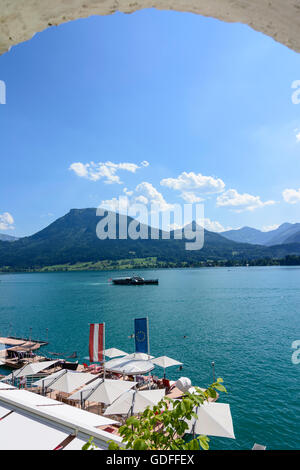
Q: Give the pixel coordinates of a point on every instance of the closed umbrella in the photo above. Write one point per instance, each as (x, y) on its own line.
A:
(135, 402)
(214, 419)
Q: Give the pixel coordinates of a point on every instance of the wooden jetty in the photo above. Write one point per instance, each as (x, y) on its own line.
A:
(19, 350)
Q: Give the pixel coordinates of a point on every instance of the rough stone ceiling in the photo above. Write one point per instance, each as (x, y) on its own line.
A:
(21, 19)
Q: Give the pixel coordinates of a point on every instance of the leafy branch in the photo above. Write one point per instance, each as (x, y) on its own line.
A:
(163, 427)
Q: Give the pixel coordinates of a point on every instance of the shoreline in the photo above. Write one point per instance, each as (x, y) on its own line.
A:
(145, 265)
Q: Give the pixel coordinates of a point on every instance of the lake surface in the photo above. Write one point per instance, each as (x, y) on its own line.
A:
(244, 319)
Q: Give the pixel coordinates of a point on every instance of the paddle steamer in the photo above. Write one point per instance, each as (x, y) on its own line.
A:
(134, 281)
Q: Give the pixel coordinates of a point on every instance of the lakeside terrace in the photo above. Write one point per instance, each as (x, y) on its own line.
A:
(57, 390)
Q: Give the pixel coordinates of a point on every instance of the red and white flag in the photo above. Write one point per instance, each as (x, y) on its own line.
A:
(96, 345)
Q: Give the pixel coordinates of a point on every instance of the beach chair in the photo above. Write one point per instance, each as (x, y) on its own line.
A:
(166, 384)
(116, 376)
(155, 379)
(141, 384)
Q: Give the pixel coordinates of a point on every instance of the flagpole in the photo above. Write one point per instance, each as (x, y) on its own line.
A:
(148, 340)
(103, 351)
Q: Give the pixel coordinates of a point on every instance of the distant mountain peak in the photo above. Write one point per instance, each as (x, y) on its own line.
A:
(7, 238)
(254, 236)
(72, 239)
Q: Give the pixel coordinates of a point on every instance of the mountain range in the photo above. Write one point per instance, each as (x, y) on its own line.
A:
(72, 239)
(285, 233)
(7, 238)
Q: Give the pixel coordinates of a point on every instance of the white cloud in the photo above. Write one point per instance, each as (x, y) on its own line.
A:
(241, 202)
(106, 171)
(191, 197)
(80, 169)
(119, 205)
(141, 199)
(153, 196)
(210, 225)
(6, 221)
(268, 228)
(297, 133)
(127, 192)
(291, 196)
(145, 193)
(215, 226)
(191, 184)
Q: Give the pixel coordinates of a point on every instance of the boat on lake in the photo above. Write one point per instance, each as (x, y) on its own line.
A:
(134, 281)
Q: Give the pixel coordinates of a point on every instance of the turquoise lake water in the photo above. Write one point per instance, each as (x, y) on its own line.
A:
(244, 319)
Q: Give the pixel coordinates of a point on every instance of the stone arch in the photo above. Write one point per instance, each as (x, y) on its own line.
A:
(21, 19)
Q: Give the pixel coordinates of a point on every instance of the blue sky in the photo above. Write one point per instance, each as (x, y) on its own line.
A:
(172, 106)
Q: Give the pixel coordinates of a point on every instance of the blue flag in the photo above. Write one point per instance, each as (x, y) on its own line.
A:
(141, 335)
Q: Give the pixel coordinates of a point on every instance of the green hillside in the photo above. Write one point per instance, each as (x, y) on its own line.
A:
(72, 239)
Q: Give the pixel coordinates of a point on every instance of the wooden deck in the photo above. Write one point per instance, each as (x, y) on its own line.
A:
(19, 345)
(25, 343)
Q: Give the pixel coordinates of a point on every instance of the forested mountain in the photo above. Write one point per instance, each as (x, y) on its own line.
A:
(72, 239)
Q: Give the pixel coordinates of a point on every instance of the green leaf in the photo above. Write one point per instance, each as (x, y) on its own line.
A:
(88, 444)
(113, 446)
(221, 388)
(194, 444)
(204, 440)
(212, 393)
(132, 421)
(139, 444)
